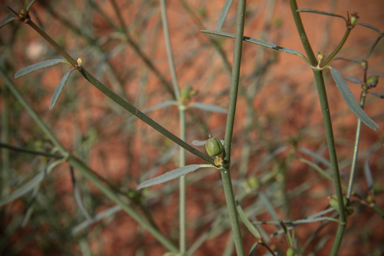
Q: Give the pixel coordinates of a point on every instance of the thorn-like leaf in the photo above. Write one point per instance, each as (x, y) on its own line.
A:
(6, 21)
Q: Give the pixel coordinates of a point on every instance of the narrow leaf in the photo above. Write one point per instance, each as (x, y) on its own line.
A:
(353, 80)
(368, 174)
(6, 21)
(346, 59)
(372, 47)
(209, 107)
(287, 234)
(223, 14)
(370, 26)
(26, 188)
(350, 100)
(258, 42)
(321, 171)
(247, 223)
(37, 66)
(377, 95)
(252, 251)
(321, 12)
(59, 89)
(315, 155)
(169, 176)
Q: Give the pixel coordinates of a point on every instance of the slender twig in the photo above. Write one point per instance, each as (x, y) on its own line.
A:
(318, 73)
(355, 149)
(225, 173)
(182, 160)
(338, 48)
(84, 169)
(29, 151)
(120, 101)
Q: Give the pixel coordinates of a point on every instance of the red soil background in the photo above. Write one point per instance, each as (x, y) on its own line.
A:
(95, 129)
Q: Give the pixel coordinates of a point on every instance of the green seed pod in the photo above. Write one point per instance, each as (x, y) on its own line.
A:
(214, 147)
(334, 204)
(372, 81)
(291, 252)
(354, 18)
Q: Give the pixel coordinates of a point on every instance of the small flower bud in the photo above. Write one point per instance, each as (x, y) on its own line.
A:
(79, 62)
(214, 147)
(372, 81)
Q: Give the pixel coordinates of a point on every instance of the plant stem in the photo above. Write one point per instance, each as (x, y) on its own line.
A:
(332, 155)
(122, 102)
(84, 169)
(355, 148)
(232, 212)
(182, 160)
(225, 173)
(303, 36)
(333, 54)
(29, 151)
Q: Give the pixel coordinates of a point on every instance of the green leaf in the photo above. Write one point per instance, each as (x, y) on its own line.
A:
(371, 27)
(169, 176)
(287, 234)
(350, 99)
(209, 107)
(346, 59)
(59, 89)
(6, 21)
(37, 66)
(26, 188)
(252, 251)
(258, 42)
(368, 173)
(321, 12)
(223, 14)
(247, 223)
(377, 95)
(353, 80)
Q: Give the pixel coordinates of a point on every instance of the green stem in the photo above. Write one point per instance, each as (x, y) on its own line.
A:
(338, 48)
(332, 155)
(182, 160)
(303, 36)
(355, 148)
(84, 169)
(122, 102)
(225, 173)
(29, 151)
(232, 211)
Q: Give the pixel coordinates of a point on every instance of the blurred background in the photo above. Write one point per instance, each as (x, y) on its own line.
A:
(278, 121)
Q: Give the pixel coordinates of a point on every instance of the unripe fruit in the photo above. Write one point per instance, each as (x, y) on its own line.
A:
(354, 18)
(334, 204)
(372, 81)
(291, 252)
(214, 147)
